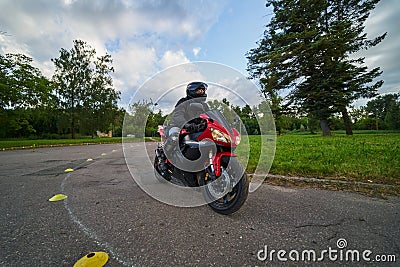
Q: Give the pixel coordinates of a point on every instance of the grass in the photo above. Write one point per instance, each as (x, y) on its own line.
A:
(30, 143)
(18, 143)
(367, 157)
(361, 157)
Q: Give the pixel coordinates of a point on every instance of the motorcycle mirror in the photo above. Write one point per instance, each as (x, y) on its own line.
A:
(198, 107)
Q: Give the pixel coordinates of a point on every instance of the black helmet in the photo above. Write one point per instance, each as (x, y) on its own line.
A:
(193, 86)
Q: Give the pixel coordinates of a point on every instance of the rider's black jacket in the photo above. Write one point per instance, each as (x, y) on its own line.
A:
(183, 114)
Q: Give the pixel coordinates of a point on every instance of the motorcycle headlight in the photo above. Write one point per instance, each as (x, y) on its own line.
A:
(219, 136)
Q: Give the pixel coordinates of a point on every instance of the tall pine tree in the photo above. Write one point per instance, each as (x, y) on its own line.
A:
(307, 48)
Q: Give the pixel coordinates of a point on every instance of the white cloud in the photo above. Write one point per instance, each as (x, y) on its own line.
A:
(171, 58)
(142, 37)
(169, 85)
(69, 2)
(133, 63)
(9, 45)
(238, 90)
(196, 51)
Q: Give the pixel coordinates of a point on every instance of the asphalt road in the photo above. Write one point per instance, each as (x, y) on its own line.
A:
(107, 211)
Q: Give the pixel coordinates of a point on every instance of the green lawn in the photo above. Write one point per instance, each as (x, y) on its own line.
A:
(361, 157)
(18, 143)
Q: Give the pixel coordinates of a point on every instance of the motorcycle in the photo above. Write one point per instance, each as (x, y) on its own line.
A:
(205, 160)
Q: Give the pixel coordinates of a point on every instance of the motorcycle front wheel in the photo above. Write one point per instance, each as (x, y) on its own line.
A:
(233, 200)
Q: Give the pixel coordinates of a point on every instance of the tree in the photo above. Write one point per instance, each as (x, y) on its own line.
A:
(72, 76)
(392, 118)
(21, 84)
(23, 90)
(100, 98)
(385, 110)
(84, 86)
(225, 108)
(153, 120)
(230, 111)
(117, 124)
(137, 117)
(307, 49)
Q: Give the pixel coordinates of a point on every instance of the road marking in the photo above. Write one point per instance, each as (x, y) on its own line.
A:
(89, 233)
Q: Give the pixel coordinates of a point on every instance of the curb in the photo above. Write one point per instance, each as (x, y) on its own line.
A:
(318, 180)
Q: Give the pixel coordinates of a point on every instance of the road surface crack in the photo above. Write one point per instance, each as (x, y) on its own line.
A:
(324, 225)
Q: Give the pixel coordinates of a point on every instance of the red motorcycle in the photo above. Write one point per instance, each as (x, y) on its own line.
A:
(206, 160)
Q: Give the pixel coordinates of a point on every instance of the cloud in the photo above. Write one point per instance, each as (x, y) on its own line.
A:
(169, 85)
(385, 55)
(143, 37)
(133, 62)
(196, 51)
(237, 89)
(59, 22)
(171, 58)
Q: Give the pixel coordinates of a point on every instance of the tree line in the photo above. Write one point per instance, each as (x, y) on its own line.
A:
(143, 111)
(79, 99)
(380, 113)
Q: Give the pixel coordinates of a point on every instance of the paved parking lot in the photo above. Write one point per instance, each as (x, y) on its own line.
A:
(107, 211)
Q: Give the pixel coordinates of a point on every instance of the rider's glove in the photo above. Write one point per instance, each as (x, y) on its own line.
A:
(193, 127)
(190, 127)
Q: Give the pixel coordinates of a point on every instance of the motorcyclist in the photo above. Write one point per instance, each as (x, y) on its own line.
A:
(183, 115)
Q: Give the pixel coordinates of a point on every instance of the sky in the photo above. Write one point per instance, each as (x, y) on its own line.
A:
(145, 37)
